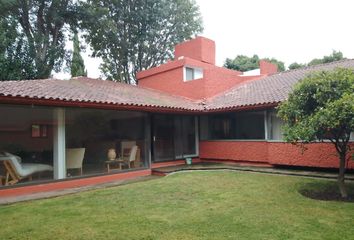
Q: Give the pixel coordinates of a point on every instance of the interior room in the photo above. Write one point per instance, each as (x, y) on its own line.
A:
(96, 142)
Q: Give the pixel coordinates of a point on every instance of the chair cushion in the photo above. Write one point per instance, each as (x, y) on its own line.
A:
(3, 155)
(26, 169)
(30, 168)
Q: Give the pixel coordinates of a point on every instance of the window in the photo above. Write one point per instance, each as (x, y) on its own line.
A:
(223, 126)
(191, 73)
(243, 125)
(26, 135)
(274, 126)
(250, 125)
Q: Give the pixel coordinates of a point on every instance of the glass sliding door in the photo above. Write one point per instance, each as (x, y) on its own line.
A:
(97, 132)
(162, 138)
(174, 137)
(189, 137)
(178, 136)
(26, 141)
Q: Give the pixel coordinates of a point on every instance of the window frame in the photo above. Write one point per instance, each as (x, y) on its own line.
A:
(197, 73)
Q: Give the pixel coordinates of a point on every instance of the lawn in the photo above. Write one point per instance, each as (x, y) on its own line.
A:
(193, 205)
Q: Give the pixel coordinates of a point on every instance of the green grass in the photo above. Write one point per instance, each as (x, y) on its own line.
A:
(194, 205)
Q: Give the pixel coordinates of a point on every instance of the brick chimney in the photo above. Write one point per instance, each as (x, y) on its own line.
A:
(199, 48)
(267, 68)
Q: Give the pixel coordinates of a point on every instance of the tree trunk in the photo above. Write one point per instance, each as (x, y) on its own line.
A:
(341, 185)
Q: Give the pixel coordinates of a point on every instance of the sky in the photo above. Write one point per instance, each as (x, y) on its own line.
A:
(290, 31)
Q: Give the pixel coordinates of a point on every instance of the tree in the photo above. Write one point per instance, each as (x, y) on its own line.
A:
(335, 56)
(43, 25)
(296, 65)
(77, 62)
(131, 36)
(321, 107)
(244, 63)
(15, 62)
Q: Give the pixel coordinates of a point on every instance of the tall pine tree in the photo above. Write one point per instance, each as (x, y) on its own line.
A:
(77, 62)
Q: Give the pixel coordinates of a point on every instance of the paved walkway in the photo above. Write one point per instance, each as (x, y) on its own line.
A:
(270, 170)
(57, 193)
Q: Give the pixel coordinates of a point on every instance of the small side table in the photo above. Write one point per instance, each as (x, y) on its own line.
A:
(111, 163)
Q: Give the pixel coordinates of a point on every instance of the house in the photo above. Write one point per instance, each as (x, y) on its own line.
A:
(188, 107)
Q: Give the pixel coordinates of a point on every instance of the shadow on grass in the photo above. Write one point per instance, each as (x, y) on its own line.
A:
(326, 191)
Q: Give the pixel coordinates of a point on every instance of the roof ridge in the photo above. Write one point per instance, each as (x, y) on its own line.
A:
(25, 80)
(275, 74)
(313, 66)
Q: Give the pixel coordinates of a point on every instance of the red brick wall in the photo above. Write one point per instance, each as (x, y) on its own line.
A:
(172, 82)
(199, 48)
(199, 53)
(276, 153)
(169, 78)
(267, 67)
(316, 155)
(232, 150)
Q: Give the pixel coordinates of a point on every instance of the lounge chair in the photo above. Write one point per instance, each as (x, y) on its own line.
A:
(16, 170)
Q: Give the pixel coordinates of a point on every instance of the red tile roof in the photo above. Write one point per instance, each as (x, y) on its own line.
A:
(87, 90)
(83, 91)
(270, 90)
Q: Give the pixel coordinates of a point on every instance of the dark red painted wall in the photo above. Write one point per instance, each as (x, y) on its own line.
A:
(199, 48)
(198, 53)
(276, 153)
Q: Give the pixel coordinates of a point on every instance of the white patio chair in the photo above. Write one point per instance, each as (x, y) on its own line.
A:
(74, 158)
(125, 149)
(133, 156)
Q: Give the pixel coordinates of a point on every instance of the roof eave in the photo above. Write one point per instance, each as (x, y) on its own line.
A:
(261, 106)
(97, 105)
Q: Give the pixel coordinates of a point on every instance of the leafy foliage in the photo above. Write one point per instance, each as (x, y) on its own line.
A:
(321, 107)
(77, 62)
(131, 36)
(15, 62)
(335, 56)
(41, 26)
(244, 63)
(296, 65)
